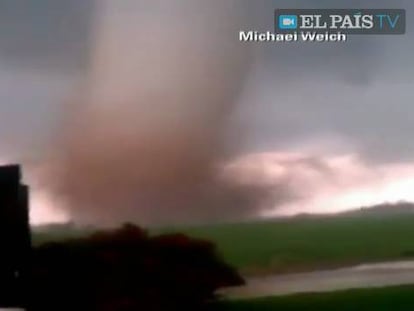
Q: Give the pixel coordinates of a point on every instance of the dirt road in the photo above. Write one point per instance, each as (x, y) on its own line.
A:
(367, 275)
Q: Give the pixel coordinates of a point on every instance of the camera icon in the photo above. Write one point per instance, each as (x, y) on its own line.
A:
(288, 21)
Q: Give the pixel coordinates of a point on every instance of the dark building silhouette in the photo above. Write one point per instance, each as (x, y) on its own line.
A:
(14, 237)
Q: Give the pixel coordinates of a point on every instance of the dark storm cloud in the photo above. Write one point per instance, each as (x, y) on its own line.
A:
(44, 47)
(356, 62)
(358, 91)
(45, 34)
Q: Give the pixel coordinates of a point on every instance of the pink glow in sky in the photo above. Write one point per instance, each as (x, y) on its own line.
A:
(328, 184)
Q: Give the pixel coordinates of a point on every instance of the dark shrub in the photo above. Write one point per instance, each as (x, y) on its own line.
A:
(126, 269)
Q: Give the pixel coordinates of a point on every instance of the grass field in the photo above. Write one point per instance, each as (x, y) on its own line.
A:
(304, 244)
(298, 244)
(383, 299)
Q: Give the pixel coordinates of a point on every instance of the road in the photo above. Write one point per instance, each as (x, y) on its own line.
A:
(361, 276)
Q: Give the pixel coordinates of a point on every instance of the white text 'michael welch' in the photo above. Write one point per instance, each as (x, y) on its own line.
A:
(268, 36)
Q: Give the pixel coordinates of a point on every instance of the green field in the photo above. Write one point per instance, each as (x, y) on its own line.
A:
(399, 298)
(311, 243)
(298, 244)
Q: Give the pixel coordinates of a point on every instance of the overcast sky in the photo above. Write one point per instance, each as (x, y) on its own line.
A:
(346, 98)
(359, 92)
(43, 51)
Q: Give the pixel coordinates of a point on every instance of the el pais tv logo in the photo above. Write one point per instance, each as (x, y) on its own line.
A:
(347, 21)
